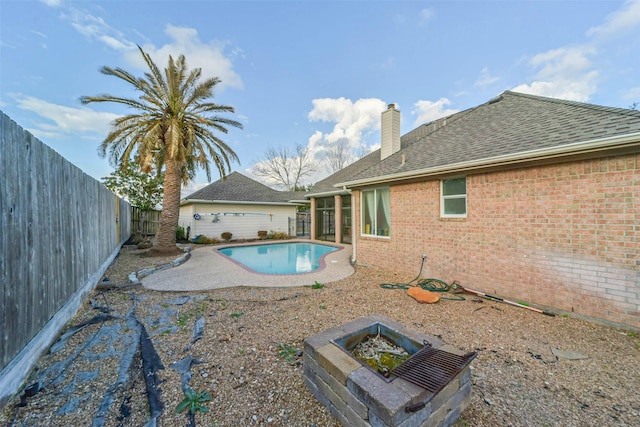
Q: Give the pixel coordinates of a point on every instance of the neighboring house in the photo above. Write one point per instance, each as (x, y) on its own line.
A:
(530, 198)
(241, 206)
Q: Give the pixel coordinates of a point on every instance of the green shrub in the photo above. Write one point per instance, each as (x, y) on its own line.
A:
(226, 236)
(180, 233)
(201, 239)
(278, 235)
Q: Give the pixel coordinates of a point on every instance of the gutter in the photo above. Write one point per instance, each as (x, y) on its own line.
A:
(583, 147)
(185, 202)
(343, 191)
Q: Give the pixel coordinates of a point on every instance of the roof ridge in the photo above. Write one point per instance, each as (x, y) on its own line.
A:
(429, 128)
(585, 105)
(237, 176)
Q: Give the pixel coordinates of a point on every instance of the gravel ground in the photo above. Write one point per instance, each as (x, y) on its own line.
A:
(248, 356)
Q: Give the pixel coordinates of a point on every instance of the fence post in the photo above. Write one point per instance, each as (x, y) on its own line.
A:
(117, 219)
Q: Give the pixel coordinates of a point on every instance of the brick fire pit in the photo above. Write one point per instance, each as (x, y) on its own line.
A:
(358, 396)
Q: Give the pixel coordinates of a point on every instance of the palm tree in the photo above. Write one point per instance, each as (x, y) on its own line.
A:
(173, 127)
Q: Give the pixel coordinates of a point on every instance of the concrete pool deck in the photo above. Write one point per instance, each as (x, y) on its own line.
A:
(207, 269)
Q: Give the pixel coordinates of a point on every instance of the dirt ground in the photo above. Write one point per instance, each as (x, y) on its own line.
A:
(239, 351)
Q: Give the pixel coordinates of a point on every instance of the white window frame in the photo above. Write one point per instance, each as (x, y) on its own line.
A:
(374, 226)
(451, 197)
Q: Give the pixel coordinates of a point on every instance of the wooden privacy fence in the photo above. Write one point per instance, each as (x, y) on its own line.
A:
(144, 222)
(60, 230)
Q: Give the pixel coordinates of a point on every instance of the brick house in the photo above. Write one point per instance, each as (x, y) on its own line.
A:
(241, 206)
(530, 198)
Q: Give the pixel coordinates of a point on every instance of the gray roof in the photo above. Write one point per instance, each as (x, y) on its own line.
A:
(236, 187)
(506, 125)
(344, 174)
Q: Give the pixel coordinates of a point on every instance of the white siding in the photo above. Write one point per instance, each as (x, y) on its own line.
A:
(243, 221)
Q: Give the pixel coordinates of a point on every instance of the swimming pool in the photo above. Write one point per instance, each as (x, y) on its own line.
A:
(279, 258)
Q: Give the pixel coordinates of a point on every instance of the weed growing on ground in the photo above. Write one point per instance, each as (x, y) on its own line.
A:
(317, 285)
(236, 315)
(223, 303)
(287, 352)
(201, 308)
(193, 401)
(182, 319)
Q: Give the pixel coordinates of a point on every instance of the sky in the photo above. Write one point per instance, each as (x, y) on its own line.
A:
(316, 73)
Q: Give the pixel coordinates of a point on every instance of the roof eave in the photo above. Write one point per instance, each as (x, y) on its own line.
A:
(328, 193)
(235, 202)
(583, 147)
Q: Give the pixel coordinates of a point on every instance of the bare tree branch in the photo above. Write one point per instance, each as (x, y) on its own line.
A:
(339, 155)
(286, 166)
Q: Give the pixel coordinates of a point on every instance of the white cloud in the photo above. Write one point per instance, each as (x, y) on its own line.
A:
(64, 121)
(565, 73)
(427, 111)
(571, 72)
(94, 27)
(619, 21)
(192, 187)
(425, 16)
(485, 79)
(352, 120)
(210, 57)
(38, 33)
(51, 3)
(633, 94)
(114, 43)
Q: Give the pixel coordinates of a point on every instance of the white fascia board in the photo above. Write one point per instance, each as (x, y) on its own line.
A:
(229, 202)
(329, 193)
(583, 147)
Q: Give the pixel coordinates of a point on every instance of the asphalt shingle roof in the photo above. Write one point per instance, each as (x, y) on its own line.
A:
(326, 185)
(508, 124)
(239, 188)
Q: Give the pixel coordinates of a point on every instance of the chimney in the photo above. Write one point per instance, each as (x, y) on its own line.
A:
(390, 131)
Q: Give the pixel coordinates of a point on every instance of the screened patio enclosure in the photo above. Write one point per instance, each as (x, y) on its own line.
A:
(332, 212)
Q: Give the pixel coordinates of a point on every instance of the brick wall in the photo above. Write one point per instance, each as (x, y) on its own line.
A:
(564, 236)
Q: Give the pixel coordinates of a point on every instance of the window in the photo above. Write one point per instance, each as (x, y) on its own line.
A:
(376, 212)
(454, 198)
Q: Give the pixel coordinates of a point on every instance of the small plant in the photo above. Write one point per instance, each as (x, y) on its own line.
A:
(632, 334)
(223, 303)
(226, 236)
(278, 235)
(201, 239)
(287, 352)
(182, 319)
(262, 234)
(180, 233)
(322, 306)
(236, 315)
(193, 401)
(317, 285)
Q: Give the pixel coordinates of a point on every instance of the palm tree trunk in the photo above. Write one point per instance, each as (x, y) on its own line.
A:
(166, 238)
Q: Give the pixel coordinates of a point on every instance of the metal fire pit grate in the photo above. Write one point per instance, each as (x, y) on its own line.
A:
(432, 369)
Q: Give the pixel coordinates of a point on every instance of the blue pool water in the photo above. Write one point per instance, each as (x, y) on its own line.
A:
(279, 258)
